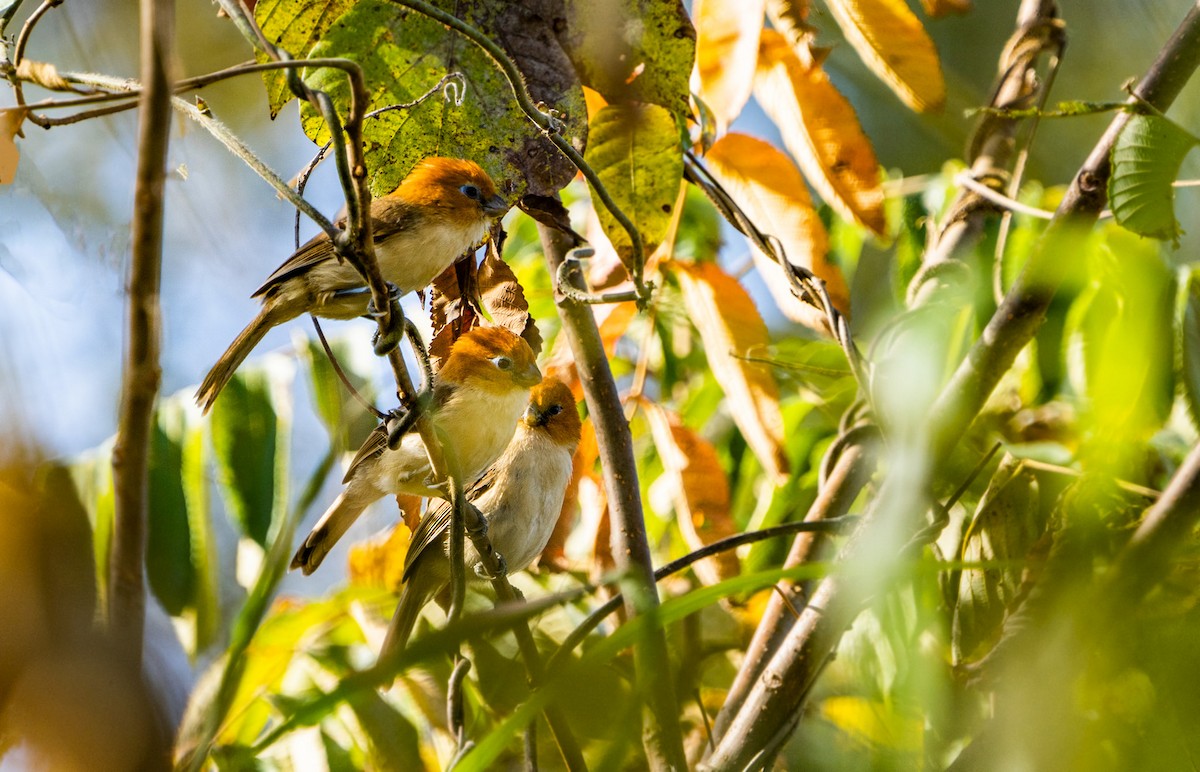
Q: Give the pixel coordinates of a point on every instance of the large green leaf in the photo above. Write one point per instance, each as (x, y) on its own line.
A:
(635, 151)
(1145, 161)
(295, 26)
(633, 50)
(345, 418)
(1189, 345)
(250, 429)
(403, 54)
(169, 567)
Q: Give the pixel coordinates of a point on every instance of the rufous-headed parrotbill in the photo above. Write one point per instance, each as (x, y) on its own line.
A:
(478, 395)
(520, 496)
(443, 208)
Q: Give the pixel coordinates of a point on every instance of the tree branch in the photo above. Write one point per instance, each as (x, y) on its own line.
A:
(142, 372)
(661, 735)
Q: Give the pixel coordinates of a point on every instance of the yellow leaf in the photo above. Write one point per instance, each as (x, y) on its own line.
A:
(936, 8)
(636, 152)
(874, 723)
(821, 130)
(726, 53)
(699, 488)
(10, 124)
(769, 187)
(730, 326)
(893, 44)
(379, 561)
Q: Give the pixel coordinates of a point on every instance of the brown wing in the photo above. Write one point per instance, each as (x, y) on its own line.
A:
(375, 444)
(388, 217)
(436, 522)
(318, 249)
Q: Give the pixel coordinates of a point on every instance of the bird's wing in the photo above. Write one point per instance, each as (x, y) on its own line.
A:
(390, 216)
(437, 520)
(318, 249)
(373, 446)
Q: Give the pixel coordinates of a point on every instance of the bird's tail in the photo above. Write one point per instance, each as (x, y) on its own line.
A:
(333, 524)
(237, 352)
(416, 593)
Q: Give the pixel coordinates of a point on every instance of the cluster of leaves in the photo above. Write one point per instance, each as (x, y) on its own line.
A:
(730, 419)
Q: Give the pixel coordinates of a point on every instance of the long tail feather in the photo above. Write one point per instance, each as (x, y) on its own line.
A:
(333, 524)
(237, 352)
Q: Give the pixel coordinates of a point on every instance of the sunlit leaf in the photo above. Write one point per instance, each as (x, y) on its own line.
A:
(790, 17)
(1145, 161)
(345, 418)
(936, 8)
(726, 53)
(821, 131)
(250, 429)
(892, 42)
(875, 723)
(636, 153)
(768, 186)
(295, 26)
(1189, 342)
(699, 489)
(632, 50)
(403, 54)
(504, 298)
(730, 325)
(379, 561)
(1005, 526)
(10, 123)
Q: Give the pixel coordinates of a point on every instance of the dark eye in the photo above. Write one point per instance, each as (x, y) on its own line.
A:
(504, 363)
(554, 410)
(471, 192)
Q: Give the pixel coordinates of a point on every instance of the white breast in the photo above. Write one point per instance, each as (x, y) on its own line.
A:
(411, 264)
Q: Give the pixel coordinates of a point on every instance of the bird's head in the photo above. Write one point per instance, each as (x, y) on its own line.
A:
(552, 409)
(492, 359)
(453, 187)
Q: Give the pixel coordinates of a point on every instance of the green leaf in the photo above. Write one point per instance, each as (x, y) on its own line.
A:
(633, 50)
(250, 428)
(1189, 344)
(344, 417)
(92, 476)
(636, 153)
(1145, 161)
(403, 54)
(295, 26)
(169, 567)
(1005, 527)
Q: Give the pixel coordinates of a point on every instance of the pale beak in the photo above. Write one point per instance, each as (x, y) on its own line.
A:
(529, 377)
(495, 206)
(533, 417)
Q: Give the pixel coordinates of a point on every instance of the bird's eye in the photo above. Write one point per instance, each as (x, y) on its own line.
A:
(504, 363)
(471, 192)
(554, 410)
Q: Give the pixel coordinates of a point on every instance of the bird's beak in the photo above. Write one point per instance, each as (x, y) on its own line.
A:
(529, 377)
(533, 417)
(495, 206)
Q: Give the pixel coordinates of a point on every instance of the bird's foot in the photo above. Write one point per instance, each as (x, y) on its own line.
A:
(385, 340)
(482, 572)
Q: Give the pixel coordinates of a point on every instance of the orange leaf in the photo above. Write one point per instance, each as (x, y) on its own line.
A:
(700, 490)
(892, 42)
(379, 561)
(10, 125)
(768, 186)
(726, 53)
(821, 130)
(791, 18)
(730, 325)
(936, 8)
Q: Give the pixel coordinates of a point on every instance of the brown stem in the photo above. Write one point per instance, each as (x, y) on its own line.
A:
(661, 735)
(142, 372)
(851, 472)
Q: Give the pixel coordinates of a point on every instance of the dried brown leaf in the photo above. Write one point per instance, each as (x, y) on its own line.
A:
(730, 326)
(504, 299)
(769, 187)
(821, 131)
(699, 487)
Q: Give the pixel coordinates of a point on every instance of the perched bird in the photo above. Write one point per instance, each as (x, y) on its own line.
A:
(520, 496)
(443, 208)
(478, 395)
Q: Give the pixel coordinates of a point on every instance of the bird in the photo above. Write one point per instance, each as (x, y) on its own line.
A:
(520, 496)
(442, 209)
(478, 395)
